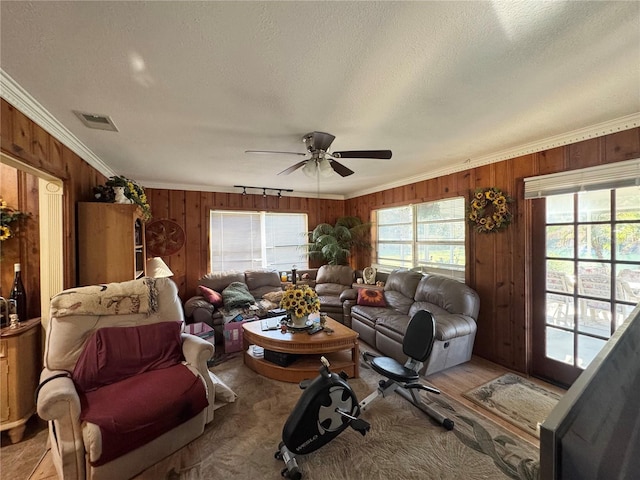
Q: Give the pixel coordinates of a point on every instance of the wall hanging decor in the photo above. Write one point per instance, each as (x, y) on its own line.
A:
(489, 210)
(164, 237)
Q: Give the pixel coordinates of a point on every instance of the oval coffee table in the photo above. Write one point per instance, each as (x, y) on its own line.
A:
(340, 348)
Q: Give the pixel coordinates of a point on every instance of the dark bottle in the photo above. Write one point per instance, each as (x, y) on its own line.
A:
(18, 294)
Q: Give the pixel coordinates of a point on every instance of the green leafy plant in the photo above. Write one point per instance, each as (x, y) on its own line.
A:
(335, 243)
(133, 191)
(9, 215)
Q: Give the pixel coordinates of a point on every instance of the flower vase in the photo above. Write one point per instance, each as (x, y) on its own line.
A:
(299, 322)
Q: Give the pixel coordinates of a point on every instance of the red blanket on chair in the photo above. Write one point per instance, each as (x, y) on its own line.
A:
(134, 411)
(132, 385)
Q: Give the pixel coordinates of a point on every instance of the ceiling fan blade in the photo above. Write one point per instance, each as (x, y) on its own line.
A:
(267, 152)
(293, 168)
(340, 169)
(378, 154)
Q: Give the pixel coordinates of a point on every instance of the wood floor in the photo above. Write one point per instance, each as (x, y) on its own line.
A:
(453, 381)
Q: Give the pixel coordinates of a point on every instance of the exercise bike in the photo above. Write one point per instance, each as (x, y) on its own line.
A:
(328, 405)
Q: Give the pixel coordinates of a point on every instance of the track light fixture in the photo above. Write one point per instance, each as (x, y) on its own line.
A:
(264, 190)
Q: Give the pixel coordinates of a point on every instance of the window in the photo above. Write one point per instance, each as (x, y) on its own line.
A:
(248, 240)
(428, 236)
(592, 268)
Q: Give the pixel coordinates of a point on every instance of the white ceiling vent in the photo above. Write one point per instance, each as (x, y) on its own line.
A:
(94, 120)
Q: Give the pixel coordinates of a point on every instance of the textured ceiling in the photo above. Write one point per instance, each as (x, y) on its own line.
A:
(444, 85)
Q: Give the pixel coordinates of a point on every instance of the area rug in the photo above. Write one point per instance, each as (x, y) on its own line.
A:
(517, 400)
(403, 442)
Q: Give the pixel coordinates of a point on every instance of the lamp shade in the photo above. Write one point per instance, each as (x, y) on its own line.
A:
(156, 268)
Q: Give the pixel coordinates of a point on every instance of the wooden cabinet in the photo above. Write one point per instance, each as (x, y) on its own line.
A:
(20, 366)
(111, 246)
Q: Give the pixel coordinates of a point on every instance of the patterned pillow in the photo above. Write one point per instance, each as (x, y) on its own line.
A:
(274, 297)
(213, 297)
(371, 297)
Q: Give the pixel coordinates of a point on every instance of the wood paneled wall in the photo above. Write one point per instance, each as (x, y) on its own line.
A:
(498, 263)
(26, 141)
(191, 209)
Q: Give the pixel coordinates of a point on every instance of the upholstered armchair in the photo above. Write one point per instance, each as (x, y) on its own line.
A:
(334, 287)
(122, 386)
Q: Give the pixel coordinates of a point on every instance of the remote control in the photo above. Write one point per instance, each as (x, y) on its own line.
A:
(316, 329)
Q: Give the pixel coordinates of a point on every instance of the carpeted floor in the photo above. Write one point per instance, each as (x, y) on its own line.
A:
(517, 400)
(403, 442)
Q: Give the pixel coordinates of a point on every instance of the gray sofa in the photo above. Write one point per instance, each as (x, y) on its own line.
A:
(259, 282)
(454, 306)
(333, 285)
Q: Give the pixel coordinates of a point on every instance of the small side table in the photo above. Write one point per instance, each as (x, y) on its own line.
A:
(20, 366)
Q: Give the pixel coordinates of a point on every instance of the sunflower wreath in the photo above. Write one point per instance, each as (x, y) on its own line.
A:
(489, 210)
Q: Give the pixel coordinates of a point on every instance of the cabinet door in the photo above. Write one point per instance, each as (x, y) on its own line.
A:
(110, 243)
(4, 382)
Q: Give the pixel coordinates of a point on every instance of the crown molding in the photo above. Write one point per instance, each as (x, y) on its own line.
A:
(612, 126)
(13, 93)
(17, 96)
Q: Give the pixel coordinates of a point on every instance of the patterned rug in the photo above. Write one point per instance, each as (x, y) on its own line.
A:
(517, 400)
(403, 442)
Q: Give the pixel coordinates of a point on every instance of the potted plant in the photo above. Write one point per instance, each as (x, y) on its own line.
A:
(119, 189)
(334, 243)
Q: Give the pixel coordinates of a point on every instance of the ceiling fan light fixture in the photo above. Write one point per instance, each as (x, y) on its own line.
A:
(324, 168)
(310, 168)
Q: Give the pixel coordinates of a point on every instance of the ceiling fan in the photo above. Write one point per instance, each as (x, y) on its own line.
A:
(321, 162)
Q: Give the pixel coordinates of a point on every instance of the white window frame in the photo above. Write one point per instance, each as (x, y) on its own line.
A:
(456, 272)
(299, 240)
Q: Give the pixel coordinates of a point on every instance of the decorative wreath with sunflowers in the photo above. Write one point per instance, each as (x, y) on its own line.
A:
(489, 210)
(300, 300)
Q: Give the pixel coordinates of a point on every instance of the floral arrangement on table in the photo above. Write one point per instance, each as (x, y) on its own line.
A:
(8, 215)
(489, 210)
(300, 301)
(120, 189)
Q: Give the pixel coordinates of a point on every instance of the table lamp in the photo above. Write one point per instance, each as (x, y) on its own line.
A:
(156, 268)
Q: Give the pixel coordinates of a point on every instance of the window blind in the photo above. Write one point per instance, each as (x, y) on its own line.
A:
(601, 177)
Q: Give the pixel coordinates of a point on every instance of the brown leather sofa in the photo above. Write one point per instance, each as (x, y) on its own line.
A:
(334, 288)
(259, 282)
(454, 306)
(332, 283)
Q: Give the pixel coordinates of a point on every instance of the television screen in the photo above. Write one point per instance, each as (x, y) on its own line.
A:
(594, 431)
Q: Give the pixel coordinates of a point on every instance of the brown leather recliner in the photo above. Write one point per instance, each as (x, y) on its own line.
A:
(334, 287)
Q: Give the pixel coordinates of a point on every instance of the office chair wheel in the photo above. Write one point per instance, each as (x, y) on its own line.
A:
(294, 474)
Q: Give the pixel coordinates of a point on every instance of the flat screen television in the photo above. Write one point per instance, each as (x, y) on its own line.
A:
(594, 431)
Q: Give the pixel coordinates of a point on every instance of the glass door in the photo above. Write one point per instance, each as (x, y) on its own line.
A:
(586, 276)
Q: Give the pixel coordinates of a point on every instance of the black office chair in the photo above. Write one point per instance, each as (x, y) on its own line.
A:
(404, 379)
